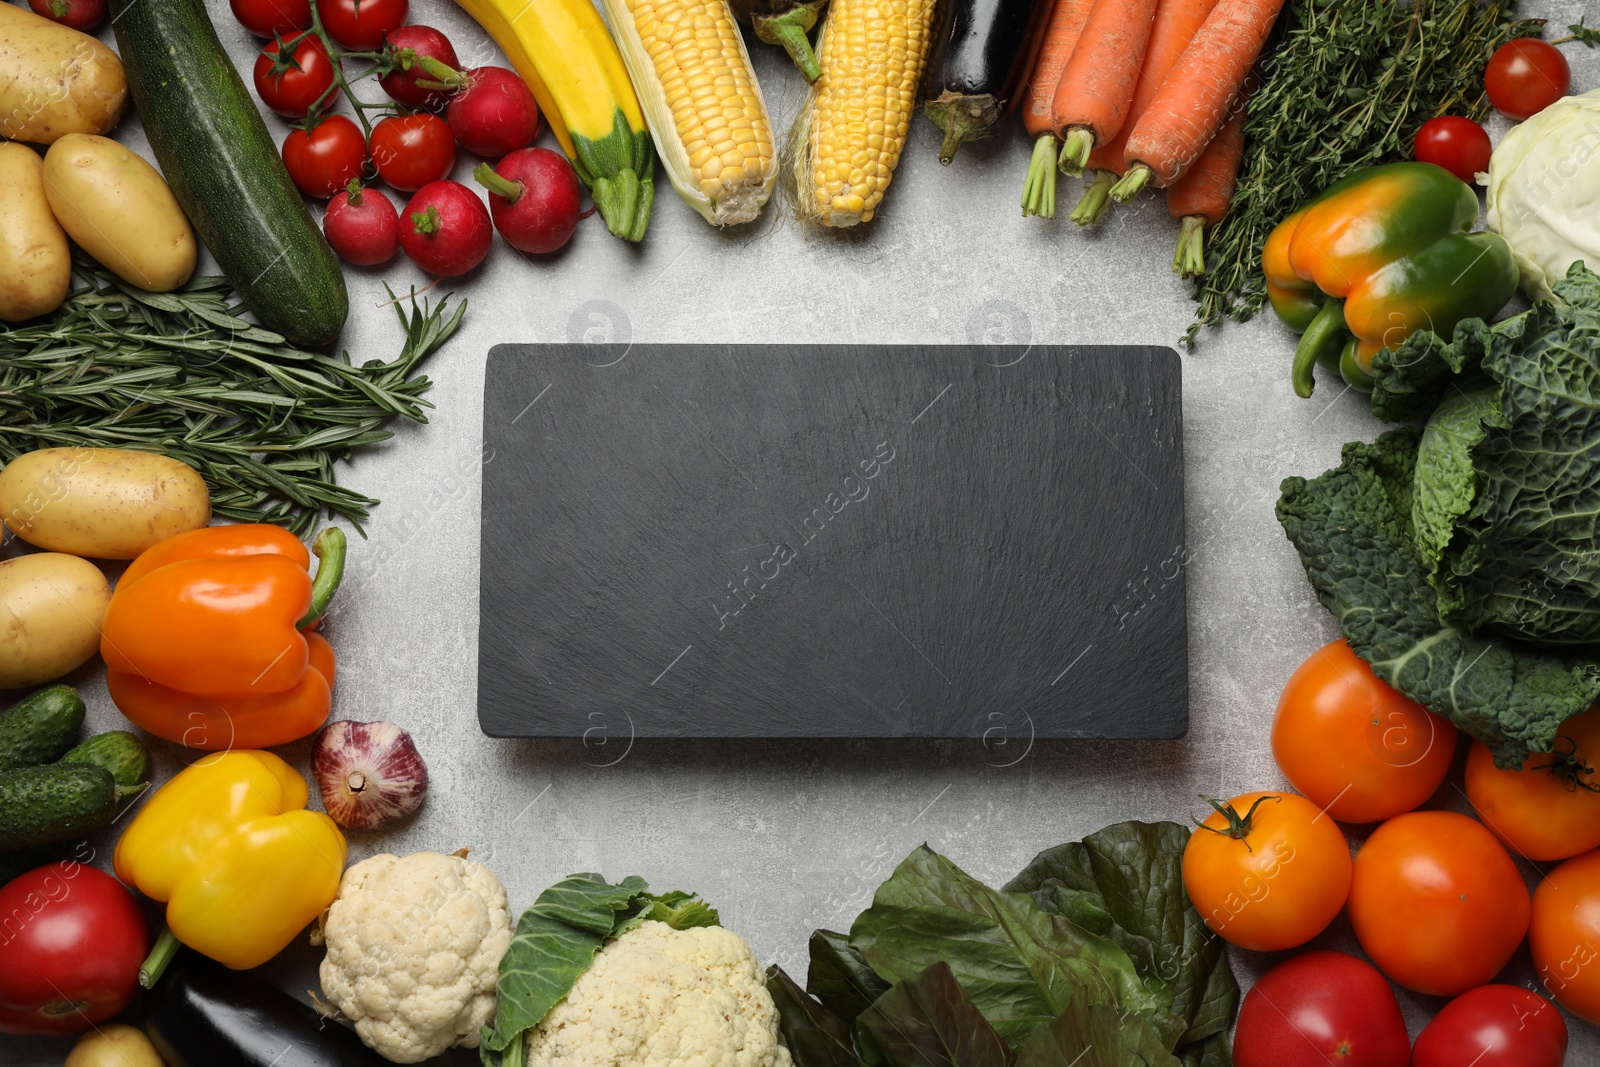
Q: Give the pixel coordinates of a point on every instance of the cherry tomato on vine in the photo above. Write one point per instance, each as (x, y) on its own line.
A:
(290, 86)
(1457, 144)
(412, 150)
(1322, 1009)
(1494, 1026)
(1550, 808)
(1352, 745)
(1565, 935)
(1526, 75)
(361, 24)
(268, 18)
(325, 160)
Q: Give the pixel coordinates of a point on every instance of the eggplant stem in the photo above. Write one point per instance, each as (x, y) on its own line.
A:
(1092, 204)
(1039, 190)
(166, 947)
(788, 31)
(330, 549)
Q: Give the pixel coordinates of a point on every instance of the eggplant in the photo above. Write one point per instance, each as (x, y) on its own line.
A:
(203, 1015)
(988, 49)
(785, 23)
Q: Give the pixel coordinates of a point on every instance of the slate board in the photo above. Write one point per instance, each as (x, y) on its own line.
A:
(832, 542)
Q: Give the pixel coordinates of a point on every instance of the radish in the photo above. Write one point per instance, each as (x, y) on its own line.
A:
(533, 198)
(446, 229)
(362, 226)
(82, 15)
(492, 113)
(408, 48)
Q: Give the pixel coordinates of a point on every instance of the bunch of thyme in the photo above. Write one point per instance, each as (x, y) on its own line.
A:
(182, 374)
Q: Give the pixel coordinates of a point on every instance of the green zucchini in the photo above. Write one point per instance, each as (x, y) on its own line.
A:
(41, 805)
(222, 164)
(40, 727)
(122, 755)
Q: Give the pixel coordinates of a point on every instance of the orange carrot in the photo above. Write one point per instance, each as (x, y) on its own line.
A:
(1060, 38)
(1197, 96)
(1176, 23)
(1201, 197)
(1091, 103)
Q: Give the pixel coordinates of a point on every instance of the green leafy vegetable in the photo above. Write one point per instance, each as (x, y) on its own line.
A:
(1588, 36)
(1445, 482)
(930, 1021)
(815, 1036)
(1086, 1034)
(840, 976)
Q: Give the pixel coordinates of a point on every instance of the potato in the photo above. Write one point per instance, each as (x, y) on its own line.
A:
(102, 502)
(119, 209)
(35, 262)
(114, 1045)
(57, 81)
(51, 606)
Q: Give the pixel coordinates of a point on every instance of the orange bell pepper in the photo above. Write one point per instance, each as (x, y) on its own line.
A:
(206, 641)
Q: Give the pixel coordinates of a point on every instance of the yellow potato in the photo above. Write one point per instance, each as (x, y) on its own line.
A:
(119, 209)
(108, 503)
(57, 81)
(114, 1045)
(35, 262)
(51, 606)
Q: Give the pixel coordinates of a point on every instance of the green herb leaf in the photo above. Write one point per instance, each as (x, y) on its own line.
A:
(815, 1036)
(930, 1021)
(1089, 1034)
(840, 976)
(1588, 36)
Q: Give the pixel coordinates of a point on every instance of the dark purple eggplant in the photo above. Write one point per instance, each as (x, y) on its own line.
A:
(979, 76)
(785, 23)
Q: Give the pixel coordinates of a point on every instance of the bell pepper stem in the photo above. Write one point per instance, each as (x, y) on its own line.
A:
(1039, 190)
(788, 31)
(330, 549)
(167, 946)
(1093, 203)
(1322, 341)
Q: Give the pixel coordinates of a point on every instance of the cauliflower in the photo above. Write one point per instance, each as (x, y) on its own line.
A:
(414, 949)
(660, 997)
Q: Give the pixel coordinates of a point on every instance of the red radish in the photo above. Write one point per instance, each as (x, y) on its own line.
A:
(533, 198)
(492, 113)
(362, 226)
(446, 230)
(408, 47)
(79, 14)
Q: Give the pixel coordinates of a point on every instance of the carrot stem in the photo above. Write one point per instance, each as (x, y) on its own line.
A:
(1132, 183)
(1094, 200)
(1075, 150)
(1190, 257)
(1039, 190)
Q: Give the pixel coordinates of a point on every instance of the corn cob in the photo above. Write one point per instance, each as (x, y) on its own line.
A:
(705, 110)
(855, 119)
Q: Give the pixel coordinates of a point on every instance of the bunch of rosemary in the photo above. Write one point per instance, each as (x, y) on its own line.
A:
(1348, 85)
(181, 373)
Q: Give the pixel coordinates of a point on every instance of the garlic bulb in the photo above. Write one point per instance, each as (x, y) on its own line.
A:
(370, 773)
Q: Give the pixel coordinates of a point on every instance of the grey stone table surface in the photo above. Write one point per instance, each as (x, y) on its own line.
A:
(787, 837)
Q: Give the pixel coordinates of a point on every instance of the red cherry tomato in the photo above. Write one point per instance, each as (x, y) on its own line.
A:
(1494, 1026)
(325, 160)
(361, 24)
(412, 150)
(270, 18)
(1525, 76)
(82, 15)
(1321, 1009)
(291, 87)
(74, 940)
(1457, 144)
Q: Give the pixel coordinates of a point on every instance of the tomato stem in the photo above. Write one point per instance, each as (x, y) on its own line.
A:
(167, 946)
(1568, 766)
(1239, 826)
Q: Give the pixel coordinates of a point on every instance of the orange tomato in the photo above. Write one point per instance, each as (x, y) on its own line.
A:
(1437, 902)
(1352, 745)
(1267, 871)
(1550, 808)
(1565, 937)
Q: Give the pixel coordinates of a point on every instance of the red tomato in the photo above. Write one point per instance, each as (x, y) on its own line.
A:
(1356, 748)
(1494, 1026)
(270, 18)
(1550, 808)
(1321, 1009)
(361, 24)
(412, 150)
(73, 942)
(1525, 76)
(290, 88)
(1565, 936)
(1457, 144)
(79, 14)
(325, 160)
(1437, 903)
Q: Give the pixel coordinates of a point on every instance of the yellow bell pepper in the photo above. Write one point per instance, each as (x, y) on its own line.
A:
(242, 866)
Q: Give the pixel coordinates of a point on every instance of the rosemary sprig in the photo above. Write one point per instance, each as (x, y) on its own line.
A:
(181, 373)
(1348, 85)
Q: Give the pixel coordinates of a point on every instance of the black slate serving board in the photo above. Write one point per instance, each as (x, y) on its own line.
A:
(832, 541)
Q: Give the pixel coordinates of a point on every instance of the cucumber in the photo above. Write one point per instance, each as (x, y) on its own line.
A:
(122, 755)
(42, 805)
(222, 164)
(40, 727)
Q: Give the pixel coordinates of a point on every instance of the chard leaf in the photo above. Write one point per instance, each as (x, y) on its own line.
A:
(814, 1035)
(930, 1021)
(1352, 529)
(1087, 1034)
(840, 976)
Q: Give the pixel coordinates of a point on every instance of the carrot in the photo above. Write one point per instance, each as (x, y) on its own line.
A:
(1096, 88)
(1176, 23)
(1197, 95)
(1060, 38)
(1201, 197)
